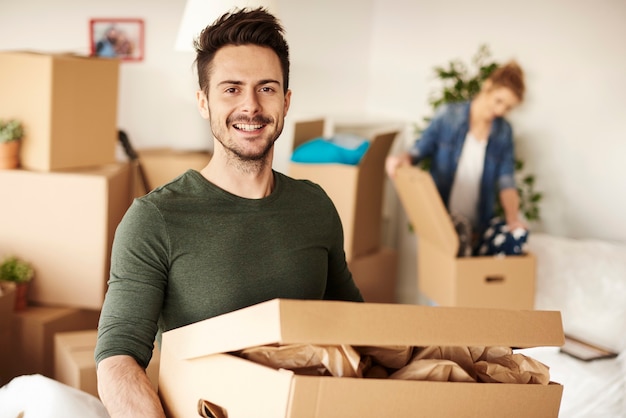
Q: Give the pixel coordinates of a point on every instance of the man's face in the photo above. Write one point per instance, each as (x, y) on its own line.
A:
(246, 104)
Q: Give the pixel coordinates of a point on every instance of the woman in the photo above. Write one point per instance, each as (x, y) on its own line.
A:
(472, 162)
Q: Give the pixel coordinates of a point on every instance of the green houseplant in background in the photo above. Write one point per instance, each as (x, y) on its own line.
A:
(460, 82)
(19, 273)
(11, 134)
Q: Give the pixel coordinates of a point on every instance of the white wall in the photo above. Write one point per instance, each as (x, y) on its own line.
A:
(375, 57)
(570, 130)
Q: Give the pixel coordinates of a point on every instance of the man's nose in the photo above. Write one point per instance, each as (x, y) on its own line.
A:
(250, 102)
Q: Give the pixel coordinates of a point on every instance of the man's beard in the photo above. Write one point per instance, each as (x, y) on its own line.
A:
(248, 162)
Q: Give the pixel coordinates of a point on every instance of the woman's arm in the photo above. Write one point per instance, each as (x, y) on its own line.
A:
(394, 161)
(423, 147)
(509, 199)
(125, 389)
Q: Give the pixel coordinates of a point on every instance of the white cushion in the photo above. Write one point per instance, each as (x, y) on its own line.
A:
(42, 397)
(586, 281)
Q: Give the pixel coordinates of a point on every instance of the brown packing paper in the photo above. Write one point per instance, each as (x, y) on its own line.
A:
(335, 360)
(432, 363)
(465, 357)
(389, 357)
(433, 370)
(461, 356)
(516, 368)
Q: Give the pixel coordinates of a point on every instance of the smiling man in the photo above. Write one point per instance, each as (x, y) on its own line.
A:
(234, 234)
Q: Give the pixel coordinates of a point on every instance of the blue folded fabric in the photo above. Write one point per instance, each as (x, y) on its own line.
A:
(341, 148)
(498, 240)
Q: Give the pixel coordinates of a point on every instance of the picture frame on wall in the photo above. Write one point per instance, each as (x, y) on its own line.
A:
(121, 38)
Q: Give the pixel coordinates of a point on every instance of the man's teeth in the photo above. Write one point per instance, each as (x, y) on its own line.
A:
(248, 127)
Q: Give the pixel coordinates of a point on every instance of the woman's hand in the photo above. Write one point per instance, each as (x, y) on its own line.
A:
(513, 224)
(394, 161)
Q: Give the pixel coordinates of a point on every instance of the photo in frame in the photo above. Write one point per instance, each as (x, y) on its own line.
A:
(117, 38)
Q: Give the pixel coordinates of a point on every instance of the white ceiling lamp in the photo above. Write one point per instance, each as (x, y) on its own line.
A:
(200, 13)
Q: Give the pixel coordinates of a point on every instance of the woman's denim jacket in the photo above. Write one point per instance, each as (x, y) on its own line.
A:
(443, 142)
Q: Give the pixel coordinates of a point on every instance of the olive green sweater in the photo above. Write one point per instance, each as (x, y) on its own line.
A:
(189, 250)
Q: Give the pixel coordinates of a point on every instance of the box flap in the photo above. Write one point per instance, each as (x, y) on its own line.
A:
(307, 130)
(286, 321)
(425, 209)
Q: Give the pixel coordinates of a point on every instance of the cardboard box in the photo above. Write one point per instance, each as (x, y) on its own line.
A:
(487, 281)
(68, 105)
(7, 303)
(63, 222)
(357, 191)
(35, 328)
(75, 366)
(195, 364)
(161, 165)
(376, 275)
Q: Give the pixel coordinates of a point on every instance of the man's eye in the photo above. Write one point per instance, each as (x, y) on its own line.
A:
(267, 89)
(231, 90)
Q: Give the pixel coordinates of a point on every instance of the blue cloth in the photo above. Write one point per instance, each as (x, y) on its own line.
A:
(341, 148)
(498, 240)
(443, 141)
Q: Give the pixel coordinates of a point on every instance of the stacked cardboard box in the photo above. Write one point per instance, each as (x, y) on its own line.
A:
(7, 302)
(63, 222)
(68, 105)
(161, 165)
(197, 364)
(357, 192)
(61, 208)
(487, 281)
(35, 328)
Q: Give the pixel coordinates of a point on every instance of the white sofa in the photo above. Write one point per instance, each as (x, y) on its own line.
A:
(586, 281)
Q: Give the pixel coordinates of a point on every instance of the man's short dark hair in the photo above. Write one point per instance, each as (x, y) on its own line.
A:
(241, 27)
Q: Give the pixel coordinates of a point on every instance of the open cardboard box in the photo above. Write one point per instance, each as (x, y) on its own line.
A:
(376, 275)
(481, 281)
(196, 366)
(356, 191)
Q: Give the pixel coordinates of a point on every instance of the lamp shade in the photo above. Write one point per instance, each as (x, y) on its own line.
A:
(200, 13)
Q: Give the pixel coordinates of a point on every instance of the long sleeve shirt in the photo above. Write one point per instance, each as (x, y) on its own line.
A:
(189, 250)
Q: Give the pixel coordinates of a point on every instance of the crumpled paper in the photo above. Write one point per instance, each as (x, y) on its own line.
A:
(334, 360)
(515, 368)
(431, 363)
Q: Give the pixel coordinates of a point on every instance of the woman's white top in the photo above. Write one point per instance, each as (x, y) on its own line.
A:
(465, 191)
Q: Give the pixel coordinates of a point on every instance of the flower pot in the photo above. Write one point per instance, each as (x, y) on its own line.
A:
(21, 296)
(9, 155)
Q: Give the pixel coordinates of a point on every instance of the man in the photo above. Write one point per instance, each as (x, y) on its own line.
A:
(232, 235)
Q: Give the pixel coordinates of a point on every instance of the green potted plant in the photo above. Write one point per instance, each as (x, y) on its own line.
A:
(460, 82)
(19, 273)
(11, 134)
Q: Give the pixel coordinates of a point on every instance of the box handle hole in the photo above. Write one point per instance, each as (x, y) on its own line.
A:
(208, 409)
(494, 279)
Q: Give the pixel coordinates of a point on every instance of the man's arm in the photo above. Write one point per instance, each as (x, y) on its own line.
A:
(125, 389)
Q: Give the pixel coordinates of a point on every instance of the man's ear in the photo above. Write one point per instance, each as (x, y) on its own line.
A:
(287, 102)
(203, 104)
